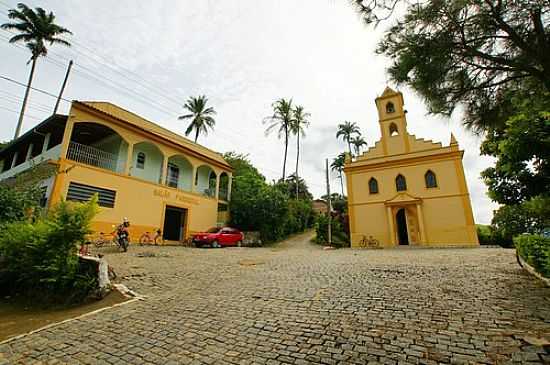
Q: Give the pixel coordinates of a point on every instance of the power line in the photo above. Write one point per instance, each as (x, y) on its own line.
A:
(19, 97)
(17, 112)
(32, 87)
(90, 74)
(18, 101)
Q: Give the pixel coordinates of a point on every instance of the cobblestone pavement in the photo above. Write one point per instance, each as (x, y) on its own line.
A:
(298, 304)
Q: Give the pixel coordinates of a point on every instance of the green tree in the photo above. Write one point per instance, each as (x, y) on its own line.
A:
(347, 130)
(3, 144)
(299, 124)
(358, 142)
(35, 28)
(470, 53)
(281, 121)
(293, 184)
(259, 206)
(339, 202)
(522, 151)
(241, 164)
(520, 178)
(338, 166)
(201, 116)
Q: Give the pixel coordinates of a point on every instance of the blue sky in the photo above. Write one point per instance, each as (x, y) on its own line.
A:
(149, 56)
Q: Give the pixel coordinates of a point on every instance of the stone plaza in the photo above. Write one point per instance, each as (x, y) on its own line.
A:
(295, 303)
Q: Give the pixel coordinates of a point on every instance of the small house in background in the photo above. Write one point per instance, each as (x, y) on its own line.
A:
(320, 206)
(406, 190)
(156, 178)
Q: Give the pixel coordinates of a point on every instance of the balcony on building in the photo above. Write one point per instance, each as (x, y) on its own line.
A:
(99, 146)
(205, 181)
(38, 145)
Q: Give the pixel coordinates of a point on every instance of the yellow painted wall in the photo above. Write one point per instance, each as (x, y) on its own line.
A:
(141, 201)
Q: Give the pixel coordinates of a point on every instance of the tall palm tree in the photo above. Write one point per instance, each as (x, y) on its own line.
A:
(201, 116)
(35, 28)
(338, 166)
(346, 130)
(298, 127)
(281, 120)
(357, 143)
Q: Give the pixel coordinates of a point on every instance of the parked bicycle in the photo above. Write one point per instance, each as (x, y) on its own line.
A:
(105, 239)
(148, 238)
(370, 242)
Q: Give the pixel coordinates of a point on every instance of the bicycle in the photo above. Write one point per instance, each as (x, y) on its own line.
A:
(370, 242)
(147, 238)
(105, 239)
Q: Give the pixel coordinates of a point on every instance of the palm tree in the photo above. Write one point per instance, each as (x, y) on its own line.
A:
(36, 28)
(338, 166)
(282, 119)
(200, 115)
(346, 131)
(298, 127)
(357, 143)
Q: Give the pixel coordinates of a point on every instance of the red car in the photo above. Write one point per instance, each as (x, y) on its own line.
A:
(219, 237)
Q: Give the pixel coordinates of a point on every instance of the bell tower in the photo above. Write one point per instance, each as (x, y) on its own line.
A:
(393, 124)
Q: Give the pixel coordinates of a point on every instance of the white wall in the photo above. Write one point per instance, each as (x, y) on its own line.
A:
(153, 162)
(51, 154)
(185, 180)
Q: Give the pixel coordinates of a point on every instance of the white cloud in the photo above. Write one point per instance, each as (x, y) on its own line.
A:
(243, 55)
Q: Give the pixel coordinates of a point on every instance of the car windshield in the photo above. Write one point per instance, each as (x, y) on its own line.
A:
(213, 230)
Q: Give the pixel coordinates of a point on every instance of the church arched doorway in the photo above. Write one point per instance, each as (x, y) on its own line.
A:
(402, 233)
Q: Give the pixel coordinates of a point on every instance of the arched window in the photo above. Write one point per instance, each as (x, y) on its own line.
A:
(431, 181)
(393, 130)
(140, 160)
(373, 186)
(400, 183)
(390, 108)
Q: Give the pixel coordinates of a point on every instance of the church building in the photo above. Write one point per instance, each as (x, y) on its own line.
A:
(406, 190)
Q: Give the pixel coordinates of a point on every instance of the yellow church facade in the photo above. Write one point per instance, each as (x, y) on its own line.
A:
(406, 190)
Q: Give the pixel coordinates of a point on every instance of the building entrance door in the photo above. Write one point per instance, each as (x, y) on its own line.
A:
(174, 223)
(402, 232)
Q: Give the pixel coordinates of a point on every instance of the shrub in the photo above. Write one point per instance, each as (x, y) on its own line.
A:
(535, 249)
(40, 258)
(339, 237)
(531, 216)
(267, 208)
(484, 234)
(18, 204)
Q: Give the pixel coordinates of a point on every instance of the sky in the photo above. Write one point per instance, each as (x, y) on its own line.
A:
(150, 56)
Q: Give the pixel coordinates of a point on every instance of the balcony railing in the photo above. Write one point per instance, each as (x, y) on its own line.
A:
(223, 194)
(92, 156)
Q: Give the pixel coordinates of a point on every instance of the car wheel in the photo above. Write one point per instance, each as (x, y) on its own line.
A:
(215, 244)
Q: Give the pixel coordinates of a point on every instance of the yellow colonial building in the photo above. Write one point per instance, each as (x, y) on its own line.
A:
(406, 190)
(156, 178)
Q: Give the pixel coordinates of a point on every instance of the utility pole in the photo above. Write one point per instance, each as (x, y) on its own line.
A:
(329, 204)
(63, 87)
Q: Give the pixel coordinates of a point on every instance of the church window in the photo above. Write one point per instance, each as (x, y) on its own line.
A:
(373, 186)
(400, 183)
(431, 181)
(393, 130)
(390, 108)
(140, 160)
